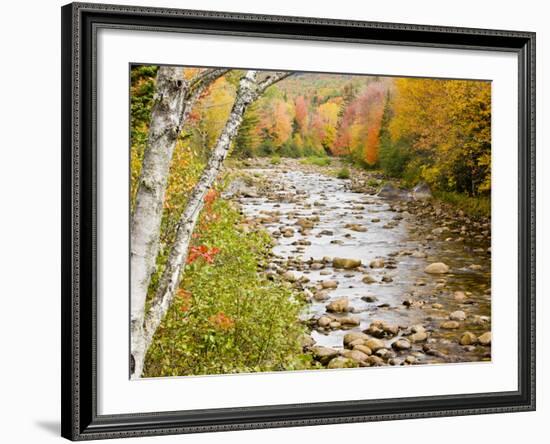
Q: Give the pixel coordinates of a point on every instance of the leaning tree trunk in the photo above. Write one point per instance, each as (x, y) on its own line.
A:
(249, 90)
(174, 98)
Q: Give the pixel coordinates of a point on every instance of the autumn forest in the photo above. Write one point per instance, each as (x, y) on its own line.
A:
(298, 221)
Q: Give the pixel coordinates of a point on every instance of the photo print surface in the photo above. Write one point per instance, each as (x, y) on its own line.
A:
(284, 221)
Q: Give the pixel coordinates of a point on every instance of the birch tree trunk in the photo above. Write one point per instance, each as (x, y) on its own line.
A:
(173, 101)
(249, 90)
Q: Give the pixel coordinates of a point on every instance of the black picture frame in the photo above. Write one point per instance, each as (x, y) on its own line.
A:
(80, 22)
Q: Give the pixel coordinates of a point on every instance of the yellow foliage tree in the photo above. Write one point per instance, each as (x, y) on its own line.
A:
(448, 123)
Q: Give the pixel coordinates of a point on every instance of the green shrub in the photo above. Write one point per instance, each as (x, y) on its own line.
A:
(266, 148)
(288, 149)
(226, 317)
(343, 173)
(275, 160)
(394, 157)
(479, 206)
(316, 160)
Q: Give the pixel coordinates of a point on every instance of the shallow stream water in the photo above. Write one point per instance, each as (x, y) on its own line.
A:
(296, 193)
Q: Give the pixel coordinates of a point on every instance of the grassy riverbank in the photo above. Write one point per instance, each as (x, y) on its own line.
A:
(228, 317)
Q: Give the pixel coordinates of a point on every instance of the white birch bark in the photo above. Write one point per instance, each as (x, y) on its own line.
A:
(173, 101)
(249, 90)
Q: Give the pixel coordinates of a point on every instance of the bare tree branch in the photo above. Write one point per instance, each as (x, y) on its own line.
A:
(271, 79)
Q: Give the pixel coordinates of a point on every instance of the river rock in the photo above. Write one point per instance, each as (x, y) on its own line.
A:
(345, 263)
(342, 362)
(450, 325)
(418, 328)
(401, 344)
(388, 191)
(377, 263)
(459, 296)
(374, 361)
(320, 296)
(356, 355)
(289, 232)
(421, 191)
(381, 329)
(323, 354)
(437, 268)
(369, 298)
(418, 336)
(339, 305)
(485, 338)
(305, 223)
(355, 336)
(356, 227)
(419, 254)
(352, 344)
(363, 349)
(329, 284)
(468, 338)
(240, 188)
(290, 276)
(324, 321)
(458, 315)
(375, 344)
(368, 279)
(350, 320)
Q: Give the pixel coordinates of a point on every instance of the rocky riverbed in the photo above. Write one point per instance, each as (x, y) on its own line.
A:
(395, 280)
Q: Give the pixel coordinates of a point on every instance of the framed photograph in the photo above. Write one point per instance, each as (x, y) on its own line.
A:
(278, 221)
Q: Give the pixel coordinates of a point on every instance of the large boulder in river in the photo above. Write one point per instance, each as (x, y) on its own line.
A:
(355, 336)
(350, 321)
(305, 223)
(401, 344)
(329, 284)
(468, 338)
(377, 263)
(388, 191)
(368, 279)
(356, 355)
(347, 264)
(323, 354)
(339, 305)
(289, 276)
(437, 268)
(324, 321)
(485, 338)
(450, 325)
(457, 315)
(239, 188)
(421, 191)
(375, 344)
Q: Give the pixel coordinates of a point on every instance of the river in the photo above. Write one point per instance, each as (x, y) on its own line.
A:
(336, 222)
